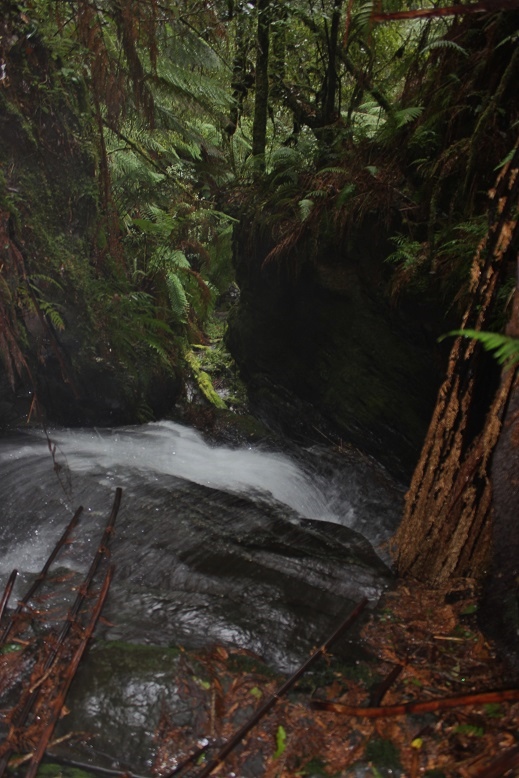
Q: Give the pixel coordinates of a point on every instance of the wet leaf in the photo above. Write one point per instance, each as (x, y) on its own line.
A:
(281, 737)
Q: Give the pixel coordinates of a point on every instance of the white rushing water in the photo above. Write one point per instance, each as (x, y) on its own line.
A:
(348, 492)
(167, 448)
(209, 543)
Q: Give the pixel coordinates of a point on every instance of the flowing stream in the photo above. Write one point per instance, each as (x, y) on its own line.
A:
(246, 547)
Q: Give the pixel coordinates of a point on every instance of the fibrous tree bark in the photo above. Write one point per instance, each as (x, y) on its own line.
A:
(259, 127)
(446, 528)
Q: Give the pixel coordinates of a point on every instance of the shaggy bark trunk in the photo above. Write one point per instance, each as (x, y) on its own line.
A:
(259, 127)
(446, 528)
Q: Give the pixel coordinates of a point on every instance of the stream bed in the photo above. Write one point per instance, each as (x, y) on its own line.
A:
(247, 548)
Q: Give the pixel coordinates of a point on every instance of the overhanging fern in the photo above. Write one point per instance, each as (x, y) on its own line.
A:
(504, 348)
(445, 44)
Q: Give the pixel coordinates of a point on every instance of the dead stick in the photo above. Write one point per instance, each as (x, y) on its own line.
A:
(59, 701)
(266, 707)
(424, 706)
(42, 575)
(379, 691)
(90, 768)
(7, 593)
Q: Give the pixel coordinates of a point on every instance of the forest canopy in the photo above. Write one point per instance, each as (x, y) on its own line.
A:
(137, 133)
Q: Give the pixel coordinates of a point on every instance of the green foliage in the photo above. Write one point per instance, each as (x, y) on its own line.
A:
(407, 252)
(203, 380)
(469, 729)
(140, 158)
(52, 314)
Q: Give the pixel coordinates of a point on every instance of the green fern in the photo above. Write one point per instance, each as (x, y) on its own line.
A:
(52, 314)
(345, 194)
(177, 296)
(408, 253)
(445, 44)
(406, 115)
(504, 348)
(305, 208)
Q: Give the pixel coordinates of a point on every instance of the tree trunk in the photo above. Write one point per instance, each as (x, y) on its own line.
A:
(331, 79)
(259, 127)
(446, 528)
(241, 80)
(499, 610)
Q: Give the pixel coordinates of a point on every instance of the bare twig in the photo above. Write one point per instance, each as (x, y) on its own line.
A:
(423, 706)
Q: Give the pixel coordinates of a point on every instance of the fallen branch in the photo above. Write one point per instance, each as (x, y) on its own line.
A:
(424, 706)
(42, 575)
(266, 707)
(7, 593)
(21, 715)
(89, 768)
(59, 701)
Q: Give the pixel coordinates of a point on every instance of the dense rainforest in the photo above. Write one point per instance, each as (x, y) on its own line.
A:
(319, 194)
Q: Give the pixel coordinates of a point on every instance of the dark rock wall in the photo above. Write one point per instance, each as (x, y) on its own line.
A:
(321, 329)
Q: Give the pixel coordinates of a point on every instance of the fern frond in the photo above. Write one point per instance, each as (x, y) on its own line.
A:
(506, 159)
(177, 296)
(317, 194)
(445, 44)
(159, 349)
(286, 156)
(192, 50)
(52, 314)
(345, 194)
(504, 348)
(406, 115)
(47, 280)
(336, 171)
(361, 19)
(305, 208)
